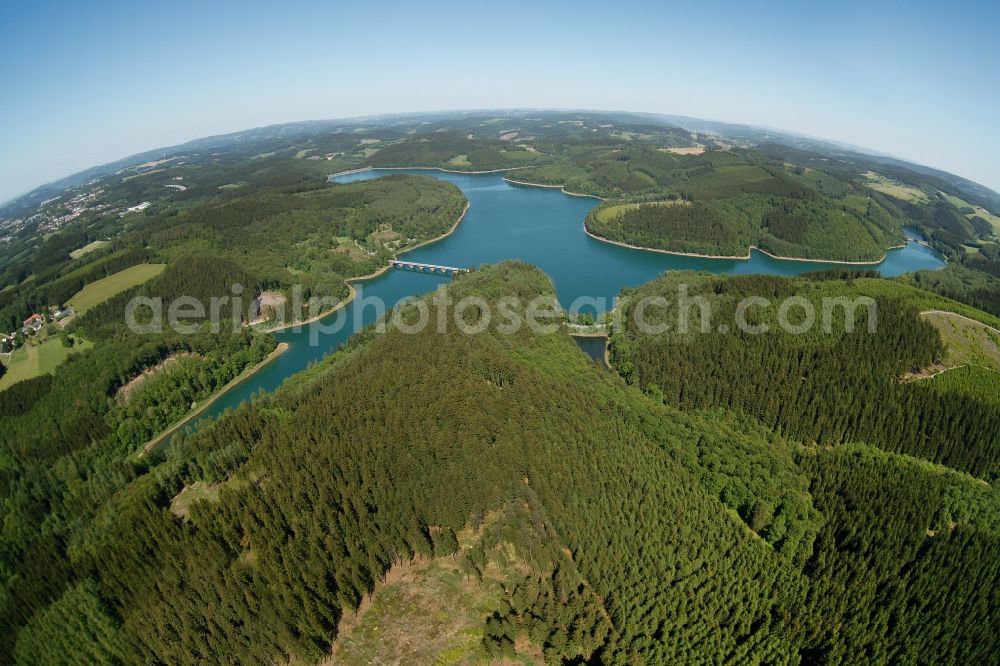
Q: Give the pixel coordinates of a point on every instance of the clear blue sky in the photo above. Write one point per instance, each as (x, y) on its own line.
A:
(88, 82)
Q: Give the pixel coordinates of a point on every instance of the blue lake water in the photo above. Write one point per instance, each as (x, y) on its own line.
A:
(542, 226)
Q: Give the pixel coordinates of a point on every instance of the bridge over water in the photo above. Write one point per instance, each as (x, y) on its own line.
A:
(426, 268)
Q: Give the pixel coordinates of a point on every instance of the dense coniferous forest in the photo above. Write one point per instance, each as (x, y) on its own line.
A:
(711, 498)
(728, 201)
(69, 443)
(825, 389)
(642, 533)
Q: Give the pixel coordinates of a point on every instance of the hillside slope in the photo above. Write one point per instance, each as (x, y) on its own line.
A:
(633, 532)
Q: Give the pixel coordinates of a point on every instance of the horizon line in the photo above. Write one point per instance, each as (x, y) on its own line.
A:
(444, 112)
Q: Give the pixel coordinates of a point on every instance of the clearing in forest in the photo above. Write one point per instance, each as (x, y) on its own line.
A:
(432, 611)
(103, 289)
(89, 247)
(180, 505)
(878, 182)
(31, 360)
(686, 150)
(967, 343)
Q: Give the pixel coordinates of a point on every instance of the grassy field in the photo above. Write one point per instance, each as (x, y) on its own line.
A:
(33, 360)
(89, 247)
(979, 211)
(105, 288)
(892, 188)
(989, 217)
(611, 212)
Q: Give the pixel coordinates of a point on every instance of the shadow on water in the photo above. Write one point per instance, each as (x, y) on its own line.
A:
(593, 346)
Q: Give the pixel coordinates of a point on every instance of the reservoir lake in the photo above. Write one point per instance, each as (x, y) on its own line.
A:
(542, 226)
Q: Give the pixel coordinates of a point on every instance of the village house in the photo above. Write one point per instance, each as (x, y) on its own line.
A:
(32, 323)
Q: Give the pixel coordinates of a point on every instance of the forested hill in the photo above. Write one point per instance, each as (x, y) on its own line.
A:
(71, 440)
(629, 531)
(280, 231)
(723, 202)
(826, 388)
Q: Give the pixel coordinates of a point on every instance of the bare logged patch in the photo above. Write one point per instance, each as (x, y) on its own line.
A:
(386, 236)
(433, 611)
(508, 136)
(268, 302)
(426, 612)
(929, 372)
(125, 392)
(180, 505)
(966, 342)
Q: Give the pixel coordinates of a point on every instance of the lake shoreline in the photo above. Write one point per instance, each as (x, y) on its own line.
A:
(370, 276)
(422, 168)
(284, 346)
(745, 257)
(696, 255)
(354, 282)
(561, 188)
(161, 438)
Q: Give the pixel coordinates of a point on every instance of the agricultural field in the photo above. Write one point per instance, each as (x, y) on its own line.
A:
(105, 288)
(89, 247)
(895, 189)
(977, 211)
(32, 360)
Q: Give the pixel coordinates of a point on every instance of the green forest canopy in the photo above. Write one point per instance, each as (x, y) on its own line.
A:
(645, 533)
(676, 516)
